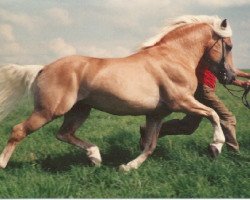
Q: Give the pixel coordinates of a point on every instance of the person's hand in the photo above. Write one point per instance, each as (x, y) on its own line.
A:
(248, 75)
(246, 84)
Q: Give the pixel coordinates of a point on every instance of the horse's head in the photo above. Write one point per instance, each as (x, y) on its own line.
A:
(218, 54)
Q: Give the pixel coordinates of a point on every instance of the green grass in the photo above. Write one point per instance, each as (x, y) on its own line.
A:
(43, 167)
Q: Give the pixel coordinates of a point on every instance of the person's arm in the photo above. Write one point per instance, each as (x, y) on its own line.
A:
(240, 73)
(241, 83)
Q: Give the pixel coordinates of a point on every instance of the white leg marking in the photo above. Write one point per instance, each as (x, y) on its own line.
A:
(94, 155)
(5, 156)
(134, 164)
(219, 138)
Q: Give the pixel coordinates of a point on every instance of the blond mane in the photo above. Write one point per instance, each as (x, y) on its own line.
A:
(213, 21)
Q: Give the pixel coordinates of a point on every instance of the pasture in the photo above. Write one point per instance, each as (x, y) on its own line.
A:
(43, 167)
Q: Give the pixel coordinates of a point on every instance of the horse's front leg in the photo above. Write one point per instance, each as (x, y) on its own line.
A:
(191, 105)
(153, 125)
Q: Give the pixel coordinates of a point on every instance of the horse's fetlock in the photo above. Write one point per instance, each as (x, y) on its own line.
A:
(17, 128)
(18, 133)
(61, 137)
(150, 153)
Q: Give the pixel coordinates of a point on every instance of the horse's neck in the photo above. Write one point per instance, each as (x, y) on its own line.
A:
(188, 48)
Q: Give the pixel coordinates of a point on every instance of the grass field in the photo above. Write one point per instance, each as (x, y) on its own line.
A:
(44, 167)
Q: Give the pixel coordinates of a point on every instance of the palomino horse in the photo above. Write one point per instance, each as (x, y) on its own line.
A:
(157, 80)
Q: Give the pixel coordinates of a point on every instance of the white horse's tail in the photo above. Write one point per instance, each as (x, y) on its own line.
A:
(15, 82)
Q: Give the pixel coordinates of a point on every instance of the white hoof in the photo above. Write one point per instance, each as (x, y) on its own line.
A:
(130, 166)
(218, 146)
(2, 162)
(96, 162)
(2, 165)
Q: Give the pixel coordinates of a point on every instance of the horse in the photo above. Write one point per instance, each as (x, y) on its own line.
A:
(158, 79)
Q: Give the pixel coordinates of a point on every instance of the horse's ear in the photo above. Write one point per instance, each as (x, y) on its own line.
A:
(224, 24)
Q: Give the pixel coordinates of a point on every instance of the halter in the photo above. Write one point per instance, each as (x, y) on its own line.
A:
(222, 64)
(222, 61)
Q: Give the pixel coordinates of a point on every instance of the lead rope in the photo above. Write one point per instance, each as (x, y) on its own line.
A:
(244, 95)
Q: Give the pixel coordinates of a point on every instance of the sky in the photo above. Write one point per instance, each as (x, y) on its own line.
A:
(41, 31)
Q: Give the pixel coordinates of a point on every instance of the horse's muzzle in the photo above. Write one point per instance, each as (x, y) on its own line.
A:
(226, 76)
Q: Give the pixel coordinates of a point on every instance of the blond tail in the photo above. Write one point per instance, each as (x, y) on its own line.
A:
(15, 82)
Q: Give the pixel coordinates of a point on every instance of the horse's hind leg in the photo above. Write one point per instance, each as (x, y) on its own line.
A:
(153, 125)
(19, 132)
(72, 121)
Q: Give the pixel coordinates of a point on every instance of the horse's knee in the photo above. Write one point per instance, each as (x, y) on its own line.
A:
(213, 117)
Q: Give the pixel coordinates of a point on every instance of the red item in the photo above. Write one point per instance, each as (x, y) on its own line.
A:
(206, 77)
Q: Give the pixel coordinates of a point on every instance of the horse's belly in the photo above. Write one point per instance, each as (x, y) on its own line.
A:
(118, 106)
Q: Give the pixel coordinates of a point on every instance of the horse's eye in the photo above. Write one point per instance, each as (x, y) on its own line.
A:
(229, 47)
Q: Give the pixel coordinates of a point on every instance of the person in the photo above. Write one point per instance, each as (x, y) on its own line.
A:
(205, 93)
